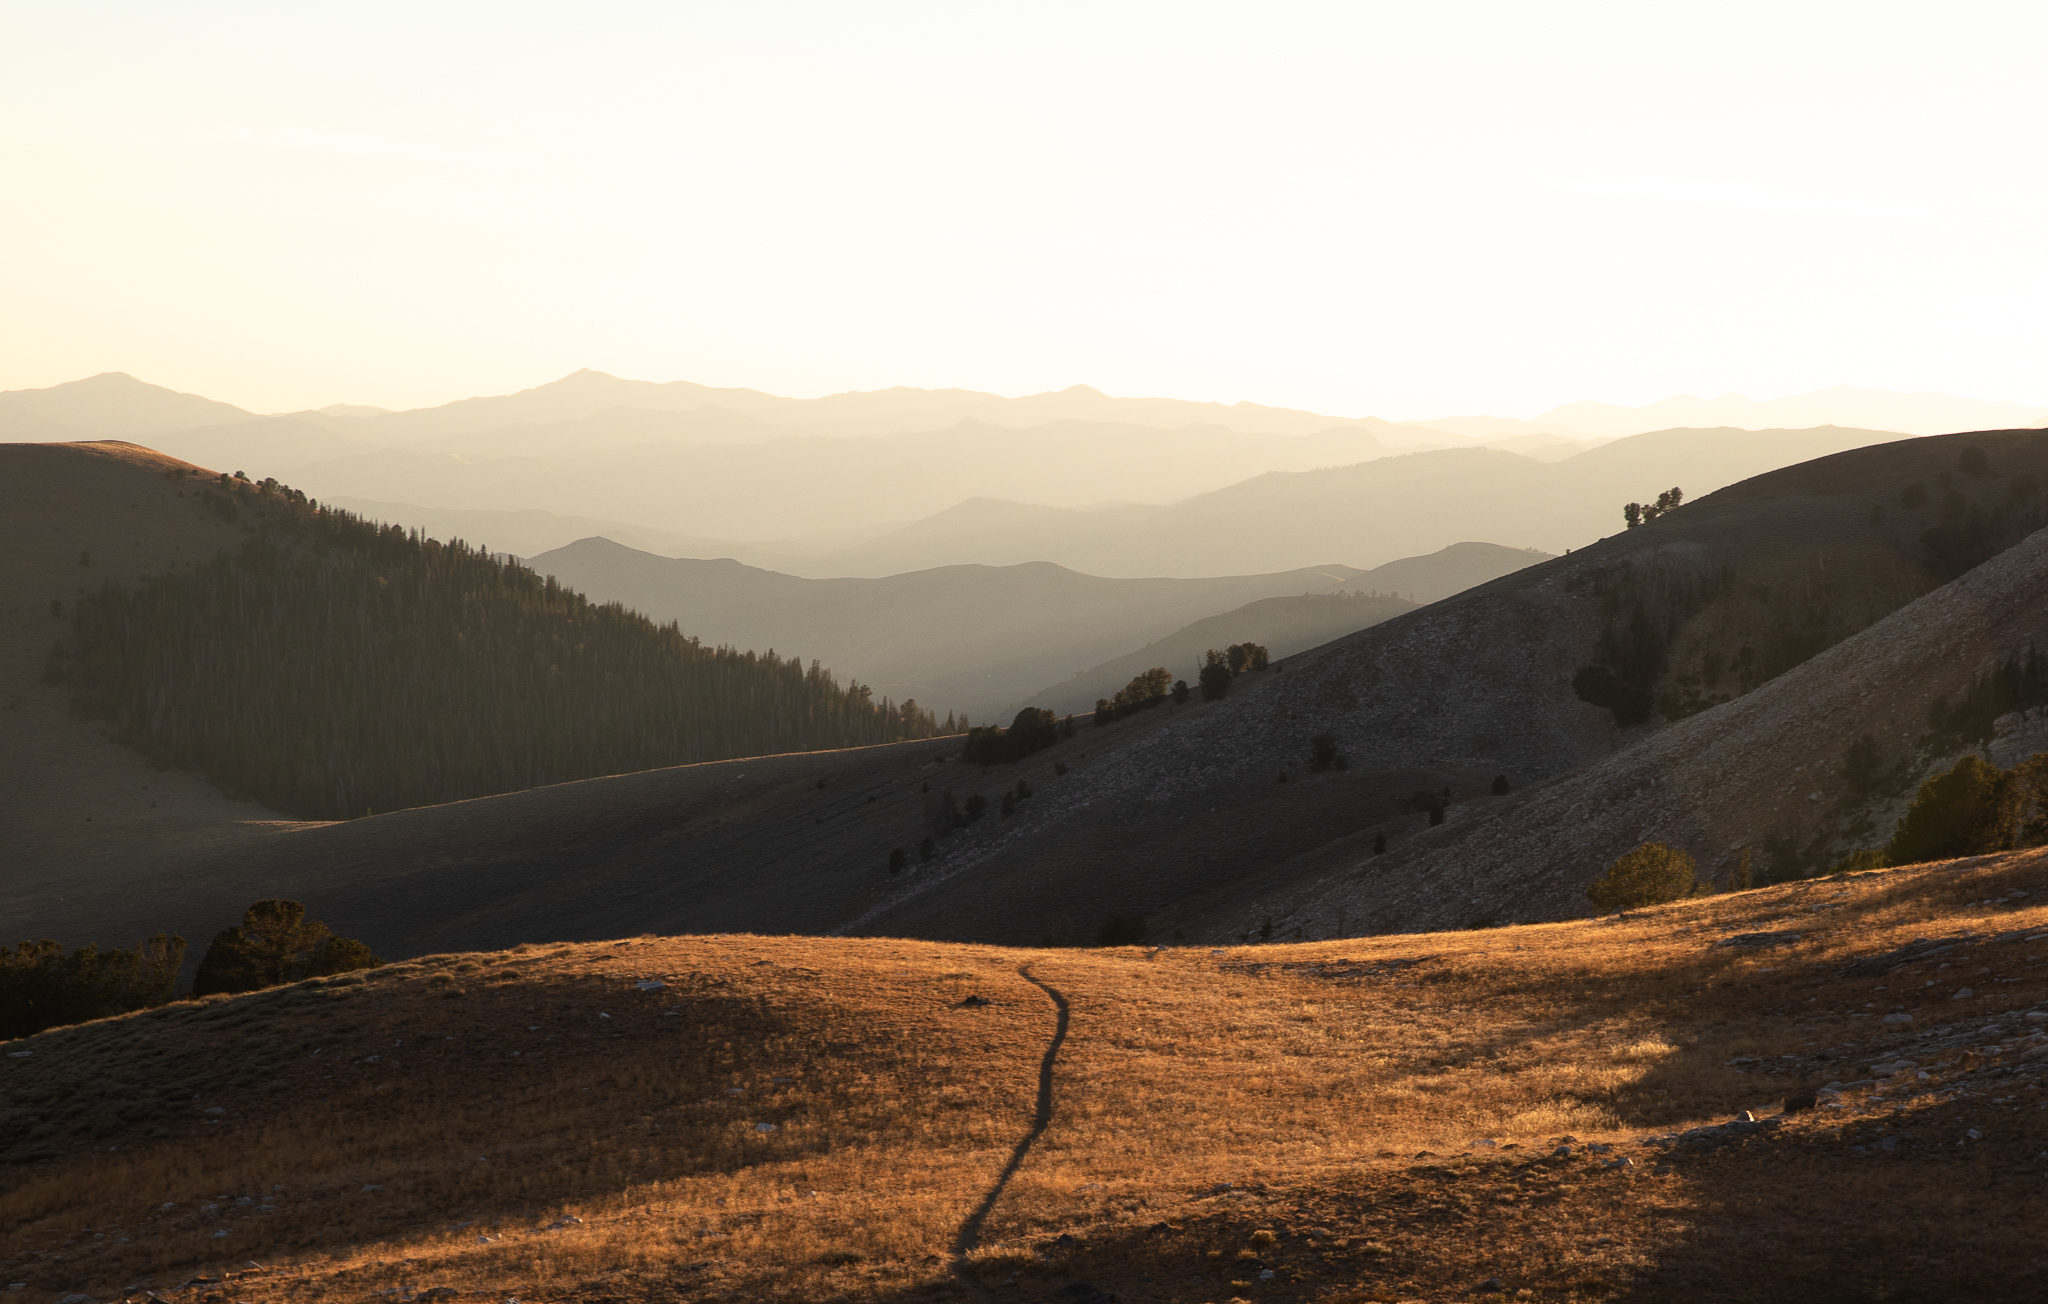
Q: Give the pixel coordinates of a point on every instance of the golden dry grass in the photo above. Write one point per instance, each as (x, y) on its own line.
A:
(512, 1091)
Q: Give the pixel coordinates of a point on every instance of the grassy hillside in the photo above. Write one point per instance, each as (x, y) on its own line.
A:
(1472, 1115)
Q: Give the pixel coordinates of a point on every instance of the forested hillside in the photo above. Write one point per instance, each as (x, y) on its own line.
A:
(332, 667)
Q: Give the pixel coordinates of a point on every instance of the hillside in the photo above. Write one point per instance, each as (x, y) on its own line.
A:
(1770, 771)
(1367, 514)
(976, 639)
(1554, 1109)
(1177, 814)
(1283, 626)
(1295, 623)
(67, 790)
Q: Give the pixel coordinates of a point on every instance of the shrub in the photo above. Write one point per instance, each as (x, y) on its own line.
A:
(1651, 874)
(275, 944)
(1745, 873)
(1242, 658)
(42, 987)
(1974, 808)
(1181, 693)
(1500, 785)
(1379, 844)
(1105, 712)
(1121, 930)
(1862, 767)
(1142, 693)
(897, 859)
(1859, 860)
(1322, 752)
(975, 806)
(1009, 804)
(1215, 681)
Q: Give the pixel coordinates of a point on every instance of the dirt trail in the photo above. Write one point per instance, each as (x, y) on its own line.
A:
(970, 1230)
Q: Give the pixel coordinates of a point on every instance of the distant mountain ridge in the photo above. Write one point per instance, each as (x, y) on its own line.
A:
(957, 638)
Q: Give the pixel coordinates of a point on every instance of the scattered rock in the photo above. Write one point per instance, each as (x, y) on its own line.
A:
(764, 1127)
(975, 1002)
(1802, 1102)
(1898, 1018)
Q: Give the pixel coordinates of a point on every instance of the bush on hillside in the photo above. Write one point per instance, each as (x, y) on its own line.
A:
(276, 944)
(1121, 930)
(1181, 692)
(1322, 752)
(1643, 513)
(1033, 730)
(1649, 875)
(1215, 681)
(1245, 658)
(1142, 694)
(1972, 809)
(43, 987)
(1500, 785)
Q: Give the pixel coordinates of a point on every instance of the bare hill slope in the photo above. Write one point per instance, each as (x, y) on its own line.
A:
(1767, 771)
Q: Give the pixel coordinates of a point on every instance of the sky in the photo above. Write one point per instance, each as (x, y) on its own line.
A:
(1398, 210)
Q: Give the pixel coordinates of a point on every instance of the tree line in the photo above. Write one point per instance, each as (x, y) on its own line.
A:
(43, 986)
(333, 667)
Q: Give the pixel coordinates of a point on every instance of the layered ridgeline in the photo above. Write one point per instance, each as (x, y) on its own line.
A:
(331, 667)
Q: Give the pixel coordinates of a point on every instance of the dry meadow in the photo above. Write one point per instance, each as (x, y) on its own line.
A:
(1385, 1118)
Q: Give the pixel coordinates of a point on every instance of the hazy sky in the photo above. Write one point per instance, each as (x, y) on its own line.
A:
(1398, 209)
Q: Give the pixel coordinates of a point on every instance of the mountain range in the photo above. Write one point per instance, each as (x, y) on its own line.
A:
(882, 482)
(981, 639)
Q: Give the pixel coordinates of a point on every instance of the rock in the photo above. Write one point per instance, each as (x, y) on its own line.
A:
(78, 1299)
(1745, 1117)
(1962, 994)
(1898, 1018)
(439, 1292)
(976, 1002)
(1802, 1102)
(1267, 1274)
(1889, 1144)
(1562, 1152)
(1491, 1283)
(764, 1127)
